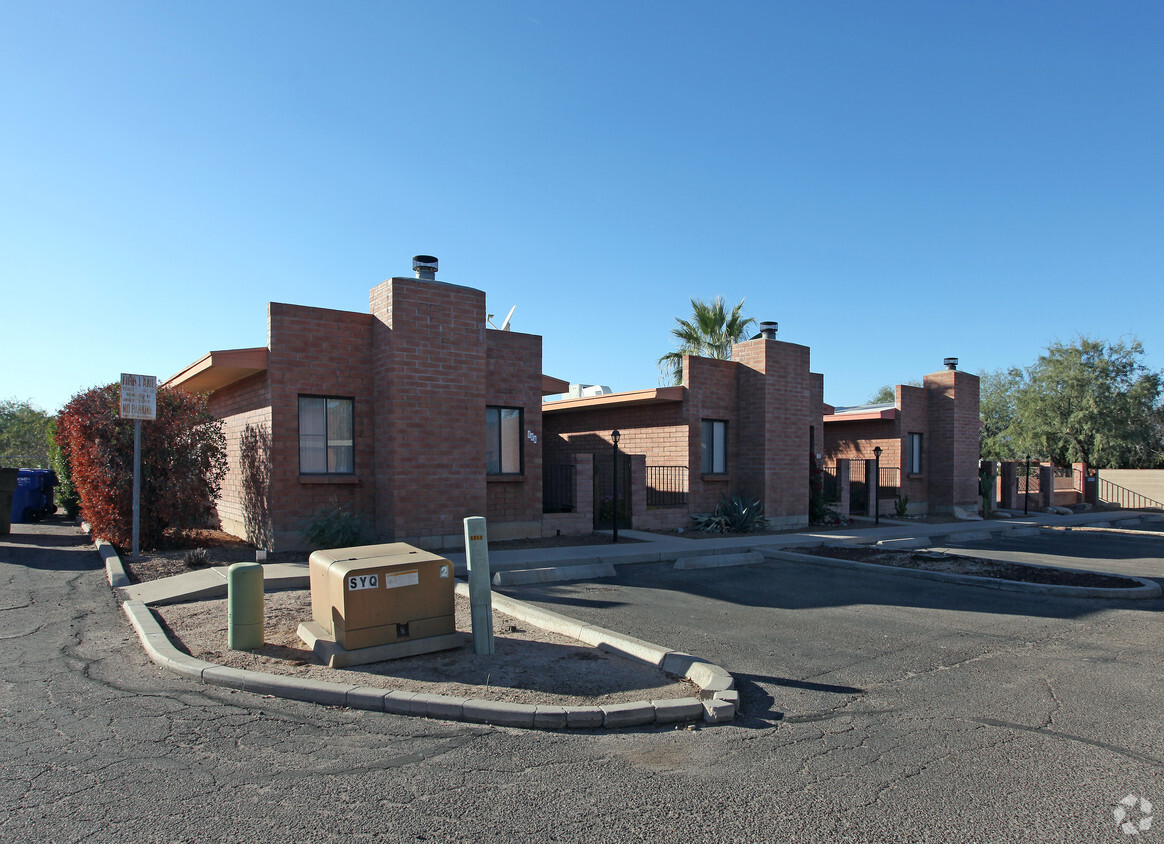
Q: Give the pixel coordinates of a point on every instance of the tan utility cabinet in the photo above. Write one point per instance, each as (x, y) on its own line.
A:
(380, 594)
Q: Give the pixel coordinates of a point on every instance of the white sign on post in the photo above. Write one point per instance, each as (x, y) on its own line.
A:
(139, 396)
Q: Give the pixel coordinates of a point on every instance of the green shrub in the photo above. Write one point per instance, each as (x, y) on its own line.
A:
(901, 506)
(183, 463)
(66, 493)
(196, 557)
(737, 514)
(334, 526)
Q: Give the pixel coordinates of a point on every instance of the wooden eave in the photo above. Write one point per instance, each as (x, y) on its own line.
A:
(219, 369)
(551, 386)
(658, 395)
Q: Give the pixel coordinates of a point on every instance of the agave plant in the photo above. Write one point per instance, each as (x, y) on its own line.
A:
(737, 514)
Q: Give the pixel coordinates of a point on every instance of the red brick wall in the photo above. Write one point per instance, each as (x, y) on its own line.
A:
(430, 407)
(712, 393)
(953, 449)
(318, 352)
(777, 398)
(247, 402)
(513, 378)
(913, 418)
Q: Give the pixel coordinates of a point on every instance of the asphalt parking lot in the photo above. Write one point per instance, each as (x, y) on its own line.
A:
(876, 707)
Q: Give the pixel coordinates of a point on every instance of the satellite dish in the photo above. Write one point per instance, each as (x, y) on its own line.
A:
(508, 317)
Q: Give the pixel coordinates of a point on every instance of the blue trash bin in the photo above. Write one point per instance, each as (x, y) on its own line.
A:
(32, 499)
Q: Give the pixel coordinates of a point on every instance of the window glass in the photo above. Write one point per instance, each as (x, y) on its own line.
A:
(914, 459)
(503, 440)
(326, 439)
(312, 435)
(713, 446)
(340, 444)
(510, 440)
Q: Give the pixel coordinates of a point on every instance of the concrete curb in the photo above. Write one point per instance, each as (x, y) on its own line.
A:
(554, 574)
(114, 570)
(711, 678)
(1148, 588)
(715, 561)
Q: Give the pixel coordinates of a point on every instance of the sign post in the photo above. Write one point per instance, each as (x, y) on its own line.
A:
(139, 400)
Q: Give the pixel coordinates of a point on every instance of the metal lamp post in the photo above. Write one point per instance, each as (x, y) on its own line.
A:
(877, 485)
(1027, 487)
(614, 438)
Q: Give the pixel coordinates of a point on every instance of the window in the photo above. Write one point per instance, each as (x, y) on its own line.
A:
(503, 426)
(913, 458)
(713, 446)
(326, 442)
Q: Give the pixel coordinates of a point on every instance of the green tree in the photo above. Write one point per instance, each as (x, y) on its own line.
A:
(888, 392)
(709, 333)
(1000, 437)
(24, 431)
(1091, 401)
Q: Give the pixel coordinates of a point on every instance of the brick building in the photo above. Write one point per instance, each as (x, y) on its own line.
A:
(414, 416)
(742, 425)
(928, 437)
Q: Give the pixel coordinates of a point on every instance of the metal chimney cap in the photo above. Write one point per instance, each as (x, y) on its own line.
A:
(951, 363)
(425, 266)
(768, 329)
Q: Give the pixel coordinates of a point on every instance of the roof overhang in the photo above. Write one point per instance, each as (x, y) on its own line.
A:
(219, 369)
(657, 395)
(551, 386)
(862, 416)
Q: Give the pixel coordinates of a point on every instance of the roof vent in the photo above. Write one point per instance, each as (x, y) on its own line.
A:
(768, 329)
(425, 266)
(951, 363)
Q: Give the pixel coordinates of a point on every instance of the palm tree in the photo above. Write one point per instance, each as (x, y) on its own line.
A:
(709, 333)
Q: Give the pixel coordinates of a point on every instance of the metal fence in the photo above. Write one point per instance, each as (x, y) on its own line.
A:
(1110, 493)
(667, 486)
(558, 488)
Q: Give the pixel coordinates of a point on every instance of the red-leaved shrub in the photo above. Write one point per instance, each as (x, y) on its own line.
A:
(183, 462)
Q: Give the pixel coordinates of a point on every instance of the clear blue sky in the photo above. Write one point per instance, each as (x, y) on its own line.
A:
(893, 182)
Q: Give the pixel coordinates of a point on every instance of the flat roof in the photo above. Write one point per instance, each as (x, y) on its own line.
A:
(657, 395)
(216, 370)
(861, 412)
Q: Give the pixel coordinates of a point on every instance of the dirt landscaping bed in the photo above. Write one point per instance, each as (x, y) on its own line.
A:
(959, 564)
(530, 665)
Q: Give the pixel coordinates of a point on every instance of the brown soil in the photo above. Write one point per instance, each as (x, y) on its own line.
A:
(958, 564)
(529, 666)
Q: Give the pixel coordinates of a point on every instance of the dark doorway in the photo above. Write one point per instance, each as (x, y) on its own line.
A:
(604, 492)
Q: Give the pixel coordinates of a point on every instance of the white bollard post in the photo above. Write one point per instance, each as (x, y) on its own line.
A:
(480, 586)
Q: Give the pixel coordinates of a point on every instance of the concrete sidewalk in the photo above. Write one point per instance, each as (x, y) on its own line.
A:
(590, 561)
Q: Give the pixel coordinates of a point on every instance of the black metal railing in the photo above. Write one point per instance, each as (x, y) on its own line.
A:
(829, 484)
(889, 486)
(558, 486)
(667, 486)
(1129, 499)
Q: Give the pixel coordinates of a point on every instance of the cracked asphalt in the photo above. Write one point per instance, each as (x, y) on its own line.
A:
(875, 708)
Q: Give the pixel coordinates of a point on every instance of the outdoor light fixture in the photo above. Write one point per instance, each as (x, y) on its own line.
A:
(876, 485)
(951, 363)
(615, 436)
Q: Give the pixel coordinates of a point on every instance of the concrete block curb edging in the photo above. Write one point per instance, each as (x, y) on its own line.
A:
(711, 678)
